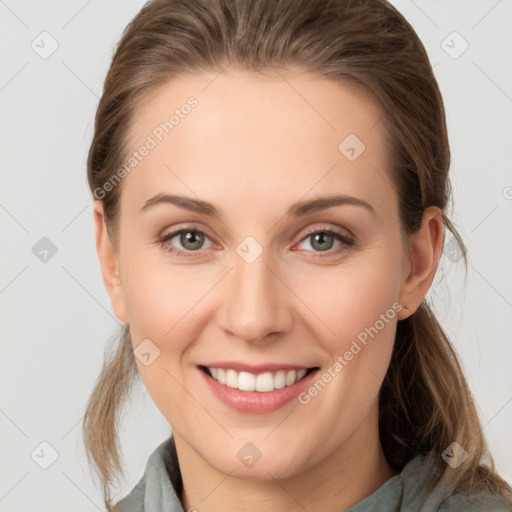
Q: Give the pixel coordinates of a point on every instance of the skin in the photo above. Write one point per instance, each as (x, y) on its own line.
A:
(252, 147)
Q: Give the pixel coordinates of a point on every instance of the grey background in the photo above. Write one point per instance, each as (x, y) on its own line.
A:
(55, 314)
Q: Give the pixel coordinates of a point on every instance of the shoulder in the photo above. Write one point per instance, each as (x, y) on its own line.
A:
(154, 490)
(461, 501)
(420, 485)
(133, 502)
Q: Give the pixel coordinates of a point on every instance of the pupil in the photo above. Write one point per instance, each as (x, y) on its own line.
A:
(192, 238)
(321, 237)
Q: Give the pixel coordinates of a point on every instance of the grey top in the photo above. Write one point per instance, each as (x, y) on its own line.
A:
(407, 492)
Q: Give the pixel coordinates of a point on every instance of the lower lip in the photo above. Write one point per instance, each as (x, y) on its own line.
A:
(256, 401)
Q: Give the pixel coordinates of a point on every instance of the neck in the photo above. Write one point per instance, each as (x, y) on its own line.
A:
(353, 471)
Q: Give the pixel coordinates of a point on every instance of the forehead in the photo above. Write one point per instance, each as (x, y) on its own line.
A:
(291, 133)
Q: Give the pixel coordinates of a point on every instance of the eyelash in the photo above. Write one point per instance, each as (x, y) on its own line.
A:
(346, 242)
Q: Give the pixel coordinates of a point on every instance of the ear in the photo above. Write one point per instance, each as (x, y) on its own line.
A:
(426, 246)
(108, 262)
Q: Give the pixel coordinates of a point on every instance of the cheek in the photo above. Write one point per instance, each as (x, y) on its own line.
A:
(349, 297)
(162, 305)
(159, 296)
(340, 300)
(355, 314)
(358, 304)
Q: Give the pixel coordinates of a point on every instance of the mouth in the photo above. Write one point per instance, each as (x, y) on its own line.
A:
(253, 393)
(264, 382)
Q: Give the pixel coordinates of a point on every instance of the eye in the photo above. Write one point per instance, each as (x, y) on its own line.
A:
(322, 240)
(190, 239)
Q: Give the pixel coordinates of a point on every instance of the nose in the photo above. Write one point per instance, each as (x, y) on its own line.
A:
(256, 303)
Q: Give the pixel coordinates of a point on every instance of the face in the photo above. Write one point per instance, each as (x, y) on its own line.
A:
(253, 284)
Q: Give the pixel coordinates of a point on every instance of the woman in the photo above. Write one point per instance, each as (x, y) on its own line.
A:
(271, 182)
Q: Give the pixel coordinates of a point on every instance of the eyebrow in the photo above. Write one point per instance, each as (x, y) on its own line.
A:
(296, 210)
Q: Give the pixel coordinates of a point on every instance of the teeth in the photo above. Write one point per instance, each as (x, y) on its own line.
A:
(263, 382)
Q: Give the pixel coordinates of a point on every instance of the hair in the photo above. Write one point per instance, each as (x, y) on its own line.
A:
(425, 403)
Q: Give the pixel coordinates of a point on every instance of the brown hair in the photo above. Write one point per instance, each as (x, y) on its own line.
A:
(425, 402)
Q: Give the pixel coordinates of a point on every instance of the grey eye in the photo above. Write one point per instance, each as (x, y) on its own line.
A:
(191, 240)
(321, 241)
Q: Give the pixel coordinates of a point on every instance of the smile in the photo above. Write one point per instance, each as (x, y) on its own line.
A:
(256, 393)
(262, 382)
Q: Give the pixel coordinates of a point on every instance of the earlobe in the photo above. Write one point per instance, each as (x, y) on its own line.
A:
(426, 246)
(108, 259)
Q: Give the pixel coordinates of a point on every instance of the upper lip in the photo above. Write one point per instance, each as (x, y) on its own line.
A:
(256, 368)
